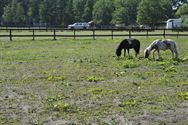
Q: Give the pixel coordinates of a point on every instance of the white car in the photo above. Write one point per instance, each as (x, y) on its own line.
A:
(78, 26)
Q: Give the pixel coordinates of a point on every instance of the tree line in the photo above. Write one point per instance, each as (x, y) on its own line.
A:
(102, 12)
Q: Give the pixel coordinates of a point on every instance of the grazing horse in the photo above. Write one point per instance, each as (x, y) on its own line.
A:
(127, 44)
(158, 45)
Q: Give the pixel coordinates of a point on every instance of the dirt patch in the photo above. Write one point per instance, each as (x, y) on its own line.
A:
(176, 116)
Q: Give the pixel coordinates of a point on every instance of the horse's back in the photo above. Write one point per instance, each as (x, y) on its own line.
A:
(169, 41)
(171, 44)
(129, 43)
(135, 43)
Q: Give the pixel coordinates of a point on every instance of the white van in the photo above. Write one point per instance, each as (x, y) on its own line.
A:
(173, 23)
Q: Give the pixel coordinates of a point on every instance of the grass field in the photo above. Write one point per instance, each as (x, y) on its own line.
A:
(82, 82)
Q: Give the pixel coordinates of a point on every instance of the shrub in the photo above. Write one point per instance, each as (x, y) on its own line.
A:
(94, 79)
(57, 104)
(55, 78)
(131, 64)
(129, 102)
(184, 95)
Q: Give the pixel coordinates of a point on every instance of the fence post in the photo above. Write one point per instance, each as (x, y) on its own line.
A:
(93, 34)
(147, 33)
(7, 28)
(74, 34)
(164, 33)
(54, 35)
(129, 33)
(178, 33)
(112, 34)
(33, 34)
(10, 35)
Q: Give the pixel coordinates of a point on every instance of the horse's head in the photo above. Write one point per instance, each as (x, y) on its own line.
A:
(146, 53)
(119, 48)
(118, 52)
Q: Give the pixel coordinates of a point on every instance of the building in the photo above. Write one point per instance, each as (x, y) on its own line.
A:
(173, 23)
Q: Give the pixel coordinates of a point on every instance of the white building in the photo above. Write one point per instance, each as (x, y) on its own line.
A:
(173, 23)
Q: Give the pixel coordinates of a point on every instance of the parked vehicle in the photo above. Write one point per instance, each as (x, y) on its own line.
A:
(82, 25)
(78, 26)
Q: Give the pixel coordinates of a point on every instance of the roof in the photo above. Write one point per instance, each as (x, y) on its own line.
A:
(170, 20)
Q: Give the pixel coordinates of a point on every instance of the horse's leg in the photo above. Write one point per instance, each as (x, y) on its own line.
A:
(158, 54)
(135, 52)
(124, 52)
(172, 53)
(154, 54)
(128, 52)
(175, 52)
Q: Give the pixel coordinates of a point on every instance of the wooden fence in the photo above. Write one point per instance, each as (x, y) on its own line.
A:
(52, 32)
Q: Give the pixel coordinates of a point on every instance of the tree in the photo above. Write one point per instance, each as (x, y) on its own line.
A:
(120, 16)
(150, 12)
(132, 6)
(102, 12)
(2, 5)
(7, 16)
(69, 13)
(53, 12)
(33, 11)
(19, 17)
(167, 7)
(183, 13)
(78, 8)
(14, 14)
(178, 3)
(125, 12)
(88, 8)
(183, 10)
(43, 11)
(61, 8)
(48, 12)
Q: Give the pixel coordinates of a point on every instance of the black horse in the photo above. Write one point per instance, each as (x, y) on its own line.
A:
(127, 44)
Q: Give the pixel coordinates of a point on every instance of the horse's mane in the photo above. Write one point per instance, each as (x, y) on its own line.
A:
(153, 44)
(120, 46)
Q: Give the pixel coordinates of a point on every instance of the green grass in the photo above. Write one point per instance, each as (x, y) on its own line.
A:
(82, 82)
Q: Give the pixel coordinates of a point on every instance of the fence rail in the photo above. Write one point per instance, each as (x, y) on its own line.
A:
(34, 32)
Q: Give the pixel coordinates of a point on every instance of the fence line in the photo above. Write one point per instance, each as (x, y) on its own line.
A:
(54, 35)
